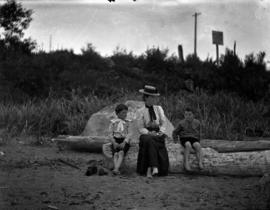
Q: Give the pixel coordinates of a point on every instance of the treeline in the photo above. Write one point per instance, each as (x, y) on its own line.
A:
(26, 74)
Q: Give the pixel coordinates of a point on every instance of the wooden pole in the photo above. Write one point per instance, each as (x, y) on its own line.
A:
(195, 33)
(234, 48)
(217, 54)
(50, 43)
(180, 54)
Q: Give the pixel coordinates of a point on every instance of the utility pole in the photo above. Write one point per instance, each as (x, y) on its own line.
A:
(234, 48)
(195, 32)
(50, 44)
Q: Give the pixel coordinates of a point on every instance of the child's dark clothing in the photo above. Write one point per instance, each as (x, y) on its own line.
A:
(188, 131)
(119, 141)
(192, 140)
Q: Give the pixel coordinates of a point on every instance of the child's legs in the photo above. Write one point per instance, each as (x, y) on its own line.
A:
(198, 150)
(186, 154)
(119, 160)
(115, 159)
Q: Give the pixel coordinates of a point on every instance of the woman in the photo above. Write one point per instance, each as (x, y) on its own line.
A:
(153, 156)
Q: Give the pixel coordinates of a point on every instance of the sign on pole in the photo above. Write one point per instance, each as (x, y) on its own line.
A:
(217, 37)
(217, 40)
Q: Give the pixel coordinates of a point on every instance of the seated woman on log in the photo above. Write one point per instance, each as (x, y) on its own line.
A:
(153, 156)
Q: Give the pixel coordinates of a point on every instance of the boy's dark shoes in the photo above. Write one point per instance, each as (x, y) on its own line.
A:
(96, 167)
(101, 171)
(91, 170)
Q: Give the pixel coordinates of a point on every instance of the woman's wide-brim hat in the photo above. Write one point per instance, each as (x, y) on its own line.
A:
(149, 90)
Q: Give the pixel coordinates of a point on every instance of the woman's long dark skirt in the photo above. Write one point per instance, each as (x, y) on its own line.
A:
(152, 153)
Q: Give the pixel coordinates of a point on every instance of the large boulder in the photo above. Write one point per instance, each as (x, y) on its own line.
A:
(98, 124)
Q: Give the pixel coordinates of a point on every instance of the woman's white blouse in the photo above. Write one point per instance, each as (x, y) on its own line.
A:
(144, 119)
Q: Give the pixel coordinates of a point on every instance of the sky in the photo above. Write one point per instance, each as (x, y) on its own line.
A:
(136, 26)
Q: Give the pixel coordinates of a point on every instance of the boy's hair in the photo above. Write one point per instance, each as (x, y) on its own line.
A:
(120, 107)
(188, 109)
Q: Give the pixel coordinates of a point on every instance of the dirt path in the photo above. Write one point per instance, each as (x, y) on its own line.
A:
(31, 177)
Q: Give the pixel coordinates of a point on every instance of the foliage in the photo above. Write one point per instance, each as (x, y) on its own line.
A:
(223, 116)
(37, 75)
(14, 19)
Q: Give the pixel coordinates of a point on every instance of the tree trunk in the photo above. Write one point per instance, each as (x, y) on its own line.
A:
(252, 163)
(215, 163)
(94, 144)
(236, 146)
(81, 143)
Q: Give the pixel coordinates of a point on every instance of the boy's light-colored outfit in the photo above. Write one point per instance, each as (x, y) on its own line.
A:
(119, 130)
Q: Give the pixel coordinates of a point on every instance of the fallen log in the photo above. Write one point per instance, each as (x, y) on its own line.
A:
(215, 163)
(91, 144)
(236, 146)
(94, 144)
(257, 138)
(243, 163)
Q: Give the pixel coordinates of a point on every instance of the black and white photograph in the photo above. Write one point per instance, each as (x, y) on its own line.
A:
(134, 104)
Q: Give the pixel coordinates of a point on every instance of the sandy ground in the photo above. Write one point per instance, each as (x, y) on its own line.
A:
(32, 177)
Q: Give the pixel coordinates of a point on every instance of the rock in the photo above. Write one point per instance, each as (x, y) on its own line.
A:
(98, 124)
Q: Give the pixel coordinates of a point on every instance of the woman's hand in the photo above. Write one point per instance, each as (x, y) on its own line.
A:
(115, 145)
(153, 133)
(160, 133)
(122, 145)
(175, 139)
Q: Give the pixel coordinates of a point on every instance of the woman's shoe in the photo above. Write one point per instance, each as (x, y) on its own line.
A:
(155, 172)
(149, 176)
(116, 172)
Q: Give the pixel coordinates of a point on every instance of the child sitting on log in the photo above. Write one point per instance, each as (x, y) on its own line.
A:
(120, 137)
(189, 132)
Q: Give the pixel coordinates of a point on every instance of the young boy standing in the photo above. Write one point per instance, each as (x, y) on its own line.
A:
(189, 132)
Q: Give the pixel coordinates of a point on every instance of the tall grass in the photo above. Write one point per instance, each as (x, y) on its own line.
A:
(51, 116)
(223, 116)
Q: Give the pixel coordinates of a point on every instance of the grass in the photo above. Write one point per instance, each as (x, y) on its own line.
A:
(223, 116)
